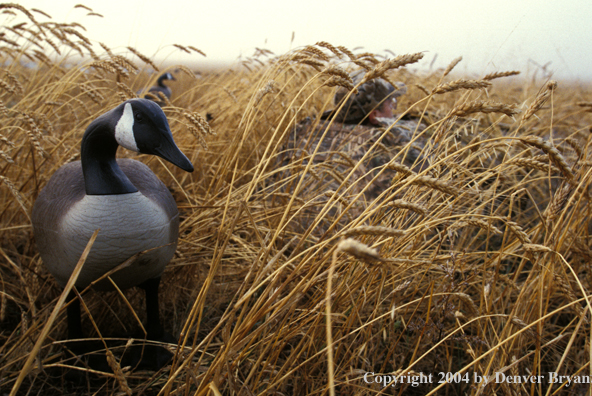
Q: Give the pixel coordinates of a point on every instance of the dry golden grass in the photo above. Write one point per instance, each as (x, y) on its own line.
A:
(478, 263)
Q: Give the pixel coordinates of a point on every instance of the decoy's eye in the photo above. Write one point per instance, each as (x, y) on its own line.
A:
(139, 117)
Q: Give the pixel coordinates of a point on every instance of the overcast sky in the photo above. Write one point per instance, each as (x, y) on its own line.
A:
(490, 35)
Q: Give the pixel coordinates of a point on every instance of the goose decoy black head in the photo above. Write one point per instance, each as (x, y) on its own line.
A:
(138, 125)
(135, 212)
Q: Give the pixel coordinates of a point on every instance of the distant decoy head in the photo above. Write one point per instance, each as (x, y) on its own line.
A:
(153, 92)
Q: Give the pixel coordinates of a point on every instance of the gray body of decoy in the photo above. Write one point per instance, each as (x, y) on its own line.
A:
(65, 217)
(123, 198)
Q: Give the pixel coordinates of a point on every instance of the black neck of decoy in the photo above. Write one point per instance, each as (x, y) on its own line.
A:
(160, 81)
(102, 175)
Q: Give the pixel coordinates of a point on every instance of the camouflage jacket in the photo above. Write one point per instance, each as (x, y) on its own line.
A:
(346, 162)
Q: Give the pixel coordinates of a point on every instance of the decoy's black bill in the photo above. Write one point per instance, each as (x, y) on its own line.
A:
(169, 151)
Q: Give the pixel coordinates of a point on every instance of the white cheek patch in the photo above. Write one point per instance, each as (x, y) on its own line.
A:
(124, 130)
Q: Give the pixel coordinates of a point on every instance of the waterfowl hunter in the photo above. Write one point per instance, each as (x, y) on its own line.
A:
(153, 92)
(123, 198)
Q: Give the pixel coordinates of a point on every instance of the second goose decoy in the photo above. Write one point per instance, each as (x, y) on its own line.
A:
(153, 92)
(123, 198)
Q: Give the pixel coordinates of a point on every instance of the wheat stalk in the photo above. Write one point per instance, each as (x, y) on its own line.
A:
(125, 65)
(18, 88)
(519, 232)
(186, 71)
(494, 75)
(476, 222)
(529, 330)
(119, 374)
(334, 70)
(554, 155)
(142, 57)
(90, 51)
(333, 195)
(564, 286)
(535, 164)
(435, 184)
(470, 304)
(396, 166)
(105, 65)
(373, 230)
(390, 64)
(540, 100)
(270, 87)
(76, 33)
(127, 91)
(347, 52)
(558, 202)
(314, 51)
(329, 47)
(22, 9)
(182, 48)
(200, 122)
(197, 50)
(34, 134)
(106, 49)
(317, 65)
(575, 145)
(92, 93)
(451, 66)
(334, 81)
(16, 194)
(484, 107)
(460, 84)
(423, 88)
(401, 204)
(83, 7)
(533, 247)
(358, 250)
(6, 157)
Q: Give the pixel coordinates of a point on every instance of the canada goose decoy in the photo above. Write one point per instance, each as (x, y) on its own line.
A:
(153, 92)
(123, 198)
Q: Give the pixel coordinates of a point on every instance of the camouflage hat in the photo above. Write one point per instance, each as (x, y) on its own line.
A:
(369, 96)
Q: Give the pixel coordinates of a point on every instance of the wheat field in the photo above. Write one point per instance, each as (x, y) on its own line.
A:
(478, 264)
